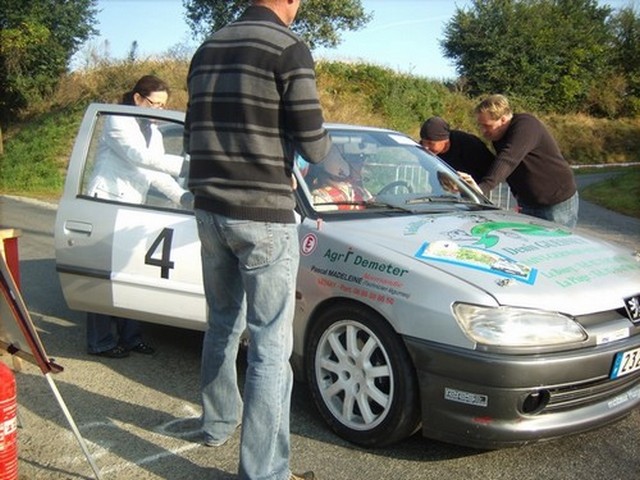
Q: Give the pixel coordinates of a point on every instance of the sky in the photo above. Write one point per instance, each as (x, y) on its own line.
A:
(403, 35)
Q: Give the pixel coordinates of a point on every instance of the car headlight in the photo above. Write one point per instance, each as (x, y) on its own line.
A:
(516, 327)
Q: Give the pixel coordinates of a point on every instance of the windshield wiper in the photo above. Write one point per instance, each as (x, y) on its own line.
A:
(393, 206)
(338, 204)
(450, 199)
(362, 205)
(436, 198)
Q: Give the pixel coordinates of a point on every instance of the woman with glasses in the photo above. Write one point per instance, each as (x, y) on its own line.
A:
(131, 156)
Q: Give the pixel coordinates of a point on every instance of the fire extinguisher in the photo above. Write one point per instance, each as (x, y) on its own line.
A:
(8, 425)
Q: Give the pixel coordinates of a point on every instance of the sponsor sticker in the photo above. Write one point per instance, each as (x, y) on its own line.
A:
(309, 244)
(633, 394)
(612, 336)
(469, 398)
(477, 258)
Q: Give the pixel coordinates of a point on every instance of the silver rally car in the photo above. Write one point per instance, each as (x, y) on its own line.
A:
(420, 304)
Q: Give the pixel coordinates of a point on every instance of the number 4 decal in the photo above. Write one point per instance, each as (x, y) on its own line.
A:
(164, 262)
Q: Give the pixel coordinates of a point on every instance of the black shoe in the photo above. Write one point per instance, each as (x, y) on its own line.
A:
(143, 348)
(115, 352)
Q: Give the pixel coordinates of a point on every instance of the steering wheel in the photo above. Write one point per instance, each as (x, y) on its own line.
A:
(398, 183)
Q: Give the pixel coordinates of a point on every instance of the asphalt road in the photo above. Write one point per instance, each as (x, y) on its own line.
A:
(138, 416)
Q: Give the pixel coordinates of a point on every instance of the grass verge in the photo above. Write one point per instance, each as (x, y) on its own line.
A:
(36, 155)
(620, 193)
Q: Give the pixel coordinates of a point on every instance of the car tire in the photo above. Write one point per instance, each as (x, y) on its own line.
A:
(361, 377)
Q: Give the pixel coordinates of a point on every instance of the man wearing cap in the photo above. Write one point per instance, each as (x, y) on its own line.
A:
(461, 150)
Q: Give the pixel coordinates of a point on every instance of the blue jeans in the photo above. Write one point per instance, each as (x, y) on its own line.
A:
(100, 335)
(565, 213)
(249, 272)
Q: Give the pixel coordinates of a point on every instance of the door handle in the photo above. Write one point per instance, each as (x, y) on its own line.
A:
(78, 227)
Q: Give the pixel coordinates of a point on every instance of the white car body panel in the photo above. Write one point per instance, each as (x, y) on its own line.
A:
(409, 263)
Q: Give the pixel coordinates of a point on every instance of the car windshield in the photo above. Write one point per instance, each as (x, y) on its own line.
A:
(376, 169)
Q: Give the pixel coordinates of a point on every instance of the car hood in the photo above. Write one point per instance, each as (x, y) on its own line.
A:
(517, 259)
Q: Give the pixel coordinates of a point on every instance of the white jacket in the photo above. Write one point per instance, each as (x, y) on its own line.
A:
(126, 167)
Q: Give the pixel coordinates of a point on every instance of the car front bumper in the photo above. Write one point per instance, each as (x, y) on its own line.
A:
(488, 400)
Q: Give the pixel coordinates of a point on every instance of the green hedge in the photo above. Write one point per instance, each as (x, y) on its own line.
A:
(37, 149)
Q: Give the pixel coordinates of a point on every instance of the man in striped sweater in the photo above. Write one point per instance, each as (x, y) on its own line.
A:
(252, 103)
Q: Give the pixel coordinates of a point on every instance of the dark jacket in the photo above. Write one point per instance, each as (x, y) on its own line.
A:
(529, 159)
(252, 102)
(467, 153)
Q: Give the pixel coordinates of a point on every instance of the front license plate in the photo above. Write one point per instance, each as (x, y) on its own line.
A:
(625, 363)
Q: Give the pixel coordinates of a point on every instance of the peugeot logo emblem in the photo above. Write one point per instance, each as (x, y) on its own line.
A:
(632, 305)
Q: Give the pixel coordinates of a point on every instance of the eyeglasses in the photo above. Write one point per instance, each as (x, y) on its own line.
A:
(152, 103)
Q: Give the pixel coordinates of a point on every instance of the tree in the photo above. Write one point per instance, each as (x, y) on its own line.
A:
(549, 53)
(37, 40)
(319, 22)
(625, 57)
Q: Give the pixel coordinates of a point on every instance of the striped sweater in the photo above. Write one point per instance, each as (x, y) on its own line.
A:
(252, 102)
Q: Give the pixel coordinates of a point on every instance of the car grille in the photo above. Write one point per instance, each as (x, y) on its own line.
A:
(570, 397)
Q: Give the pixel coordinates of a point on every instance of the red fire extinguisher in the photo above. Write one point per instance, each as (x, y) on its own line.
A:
(8, 425)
